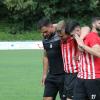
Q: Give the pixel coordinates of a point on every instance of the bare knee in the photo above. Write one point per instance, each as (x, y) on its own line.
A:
(48, 98)
(68, 99)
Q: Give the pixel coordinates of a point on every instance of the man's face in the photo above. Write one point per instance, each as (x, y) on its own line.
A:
(46, 31)
(61, 34)
(97, 25)
(77, 30)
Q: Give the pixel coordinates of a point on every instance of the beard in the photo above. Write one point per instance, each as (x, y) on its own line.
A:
(48, 36)
(98, 29)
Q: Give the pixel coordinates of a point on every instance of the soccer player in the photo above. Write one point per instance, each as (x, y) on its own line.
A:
(53, 71)
(69, 53)
(88, 81)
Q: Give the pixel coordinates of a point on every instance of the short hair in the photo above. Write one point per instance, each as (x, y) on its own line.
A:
(43, 22)
(60, 25)
(70, 26)
(95, 19)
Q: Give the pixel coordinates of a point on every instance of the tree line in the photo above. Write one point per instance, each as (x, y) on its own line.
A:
(24, 14)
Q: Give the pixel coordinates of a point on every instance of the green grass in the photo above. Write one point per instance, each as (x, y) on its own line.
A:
(20, 75)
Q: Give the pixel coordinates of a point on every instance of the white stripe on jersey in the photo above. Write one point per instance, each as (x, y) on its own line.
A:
(66, 68)
(88, 65)
(84, 68)
(69, 59)
(81, 74)
(64, 57)
(73, 60)
(92, 60)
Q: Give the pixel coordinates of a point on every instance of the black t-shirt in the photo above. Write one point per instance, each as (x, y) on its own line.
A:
(53, 49)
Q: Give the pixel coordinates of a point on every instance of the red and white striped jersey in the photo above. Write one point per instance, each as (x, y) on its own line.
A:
(89, 64)
(69, 52)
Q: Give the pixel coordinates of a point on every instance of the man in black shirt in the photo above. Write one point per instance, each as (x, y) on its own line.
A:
(53, 71)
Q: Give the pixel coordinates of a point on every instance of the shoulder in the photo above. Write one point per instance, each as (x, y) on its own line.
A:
(92, 39)
(85, 28)
(44, 41)
(92, 35)
(55, 36)
(84, 31)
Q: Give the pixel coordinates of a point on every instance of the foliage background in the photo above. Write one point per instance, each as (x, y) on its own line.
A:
(21, 16)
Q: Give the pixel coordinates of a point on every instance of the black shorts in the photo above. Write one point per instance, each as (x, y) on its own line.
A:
(53, 85)
(69, 83)
(87, 89)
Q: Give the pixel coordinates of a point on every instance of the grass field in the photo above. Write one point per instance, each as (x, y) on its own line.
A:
(20, 75)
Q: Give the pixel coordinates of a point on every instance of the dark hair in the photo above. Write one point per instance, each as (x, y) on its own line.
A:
(70, 26)
(43, 22)
(95, 19)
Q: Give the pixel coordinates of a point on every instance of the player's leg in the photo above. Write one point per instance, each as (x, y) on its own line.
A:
(69, 84)
(48, 98)
(60, 85)
(50, 90)
(80, 90)
(93, 89)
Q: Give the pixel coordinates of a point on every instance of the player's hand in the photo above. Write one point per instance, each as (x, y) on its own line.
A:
(43, 79)
(79, 41)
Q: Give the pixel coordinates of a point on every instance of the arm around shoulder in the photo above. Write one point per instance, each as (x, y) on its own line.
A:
(95, 50)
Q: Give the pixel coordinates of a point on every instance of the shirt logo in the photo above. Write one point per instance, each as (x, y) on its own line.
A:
(51, 45)
(93, 96)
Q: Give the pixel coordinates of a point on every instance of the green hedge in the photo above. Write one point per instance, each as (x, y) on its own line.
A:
(34, 35)
(5, 34)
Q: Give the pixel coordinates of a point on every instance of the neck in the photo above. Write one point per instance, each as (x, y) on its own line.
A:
(65, 38)
(54, 29)
(94, 30)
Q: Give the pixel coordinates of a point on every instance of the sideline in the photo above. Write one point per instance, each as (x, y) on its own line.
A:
(18, 45)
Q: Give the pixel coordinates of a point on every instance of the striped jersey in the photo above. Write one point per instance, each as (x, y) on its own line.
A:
(69, 52)
(89, 64)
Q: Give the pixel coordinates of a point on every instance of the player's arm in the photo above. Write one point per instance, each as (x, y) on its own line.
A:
(95, 50)
(45, 67)
(59, 25)
(84, 31)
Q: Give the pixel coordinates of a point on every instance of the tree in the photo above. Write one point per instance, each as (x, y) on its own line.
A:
(24, 13)
(21, 14)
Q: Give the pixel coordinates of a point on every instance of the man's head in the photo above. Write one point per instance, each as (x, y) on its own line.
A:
(96, 23)
(72, 27)
(60, 28)
(46, 27)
